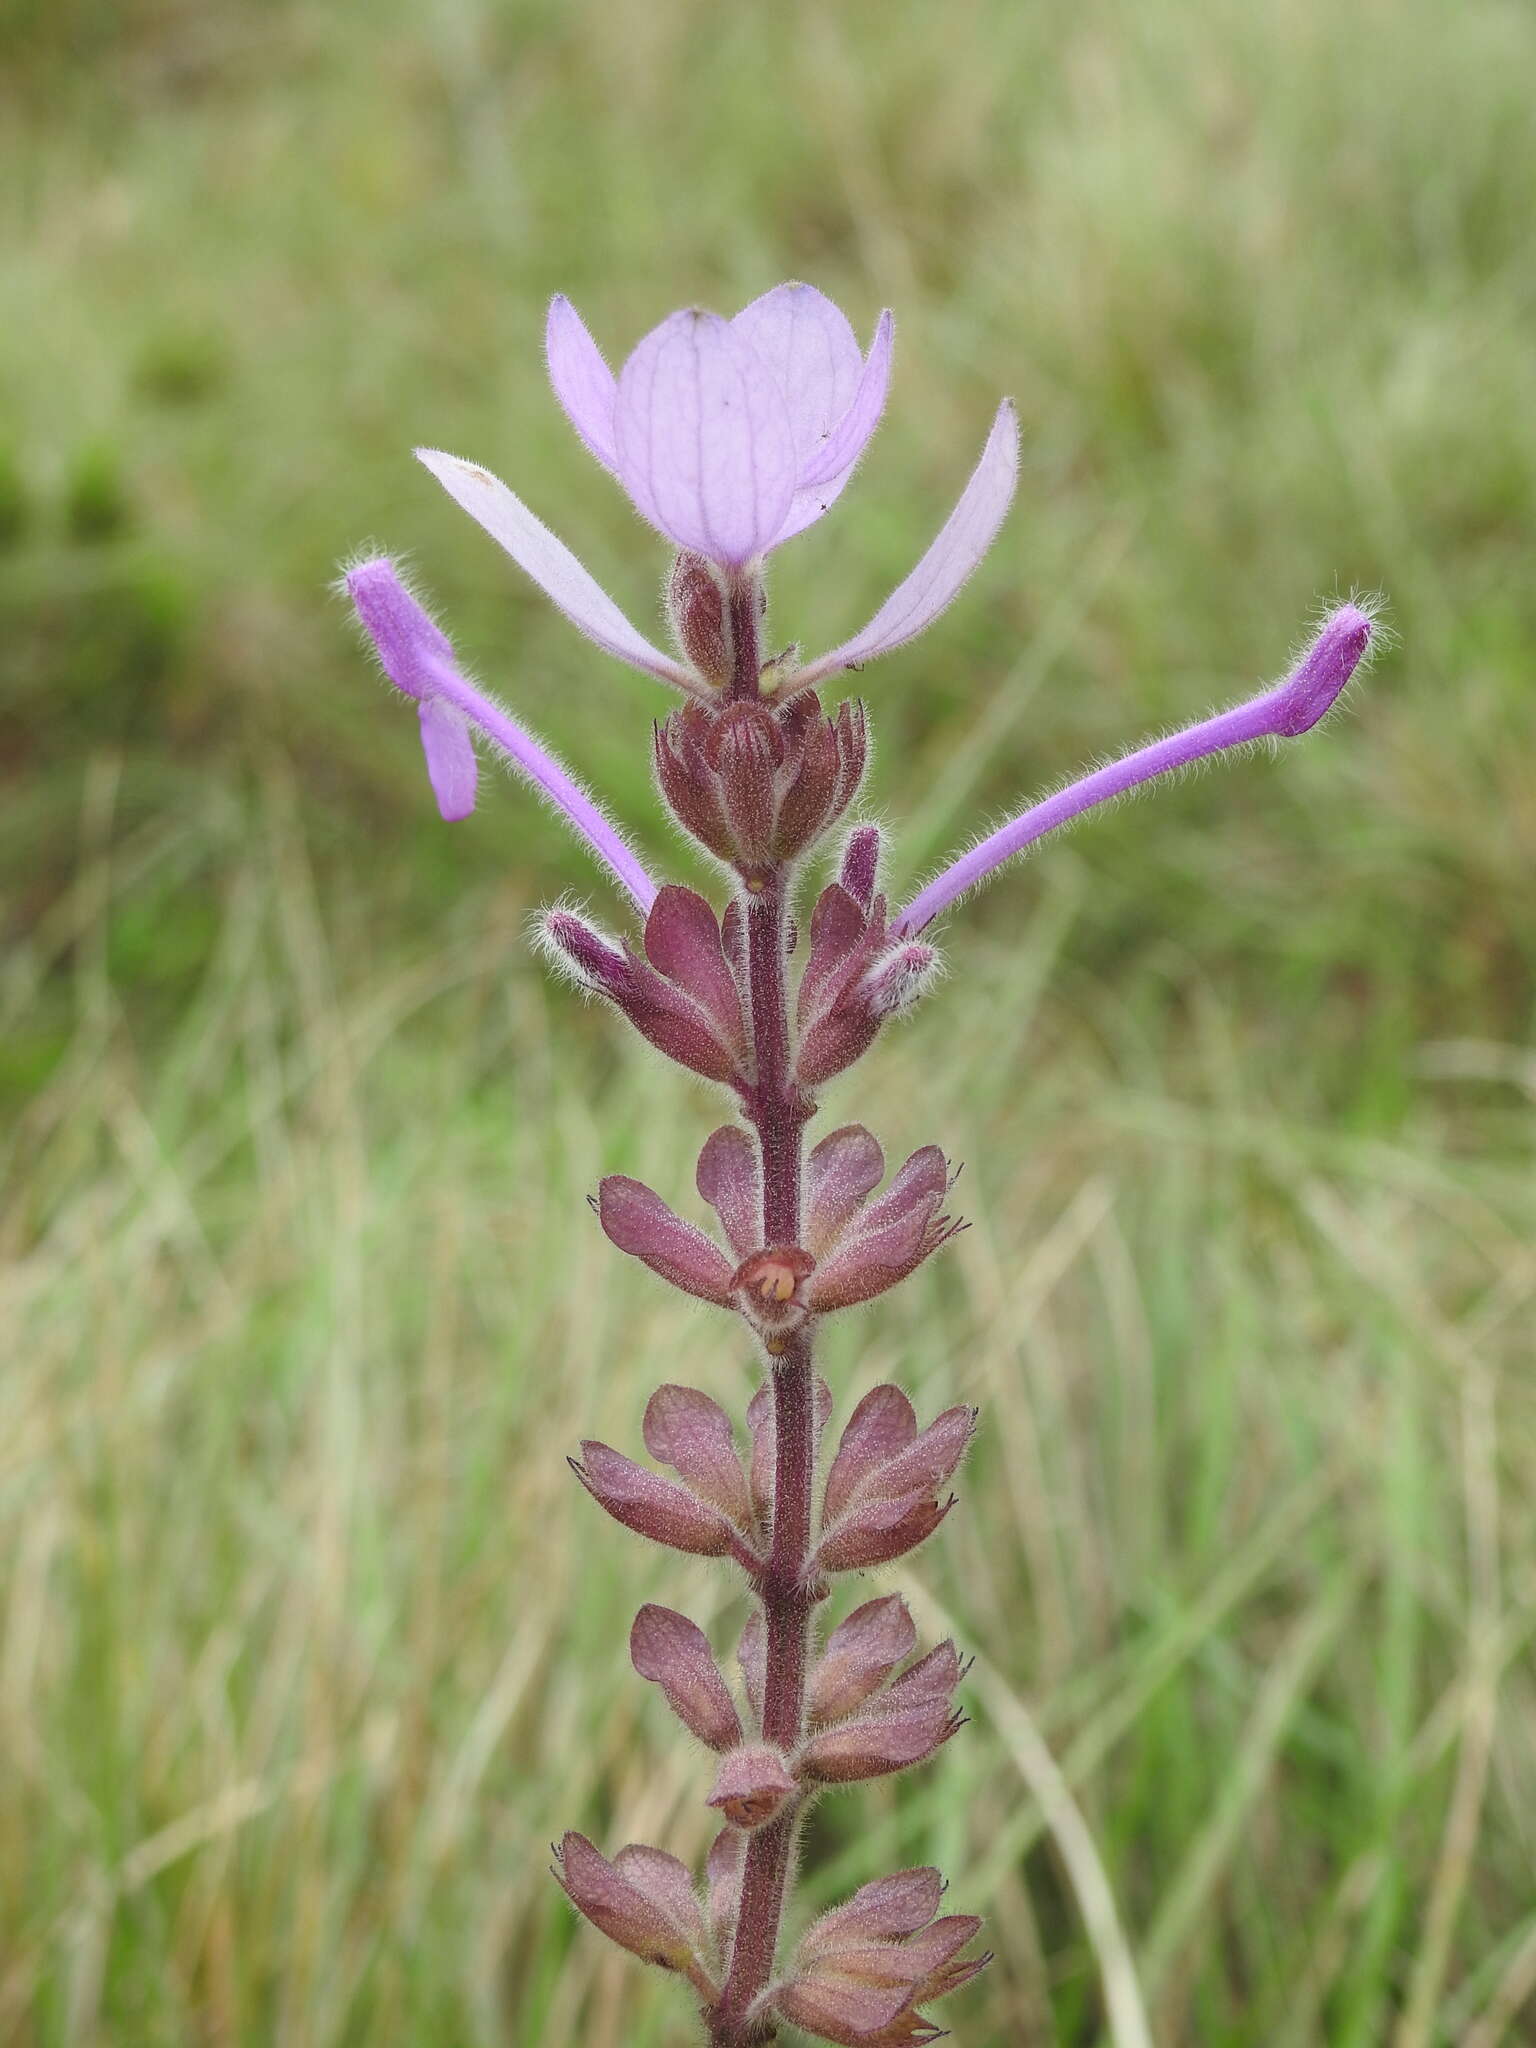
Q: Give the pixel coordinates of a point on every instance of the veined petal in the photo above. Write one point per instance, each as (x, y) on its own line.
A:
(847, 440)
(705, 444)
(583, 382)
(550, 563)
(807, 344)
(451, 765)
(964, 538)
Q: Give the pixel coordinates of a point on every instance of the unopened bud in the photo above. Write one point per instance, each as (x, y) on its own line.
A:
(861, 864)
(1314, 685)
(698, 607)
(579, 948)
(900, 978)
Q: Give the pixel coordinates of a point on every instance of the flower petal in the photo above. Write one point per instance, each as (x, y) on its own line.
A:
(813, 354)
(451, 765)
(550, 563)
(964, 538)
(848, 439)
(583, 382)
(705, 444)
(418, 659)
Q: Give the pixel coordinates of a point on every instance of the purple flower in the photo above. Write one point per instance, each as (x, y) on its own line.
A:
(732, 436)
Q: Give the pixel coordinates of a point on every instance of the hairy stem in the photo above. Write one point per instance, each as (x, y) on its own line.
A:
(778, 1114)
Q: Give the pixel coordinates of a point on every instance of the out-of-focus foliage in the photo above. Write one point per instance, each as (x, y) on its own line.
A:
(306, 1644)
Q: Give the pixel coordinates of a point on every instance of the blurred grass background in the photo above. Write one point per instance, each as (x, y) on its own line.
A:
(307, 1642)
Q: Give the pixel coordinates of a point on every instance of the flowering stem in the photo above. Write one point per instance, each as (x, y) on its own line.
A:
(778, 1113)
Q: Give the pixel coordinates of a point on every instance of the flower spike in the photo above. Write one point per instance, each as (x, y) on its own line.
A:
(730, 436)
(1284, 712)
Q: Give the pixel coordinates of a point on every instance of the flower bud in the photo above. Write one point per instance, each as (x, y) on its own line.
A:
(643, 1900)
(899, 979)
(859, 1656)
(699, 611)
(751, 1785)
(757, 783)
(860, 869)
(1314, 685)
(748, 746)
(674, 1653)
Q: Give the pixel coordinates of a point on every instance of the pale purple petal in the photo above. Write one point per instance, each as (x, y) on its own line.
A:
(451, 764)
(1289, 709)
(706, 448)
(550, 563)
(418, 659)
(966, 535)
(806, 343)
(583, 382)
(822, 483)
(848, 439)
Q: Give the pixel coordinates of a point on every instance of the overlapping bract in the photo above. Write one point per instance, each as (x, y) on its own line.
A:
(864, 1971)
(757, 784)
(856, 1247)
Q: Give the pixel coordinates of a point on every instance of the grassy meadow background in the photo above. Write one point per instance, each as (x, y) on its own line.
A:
(308, 1642)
